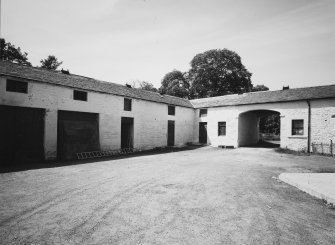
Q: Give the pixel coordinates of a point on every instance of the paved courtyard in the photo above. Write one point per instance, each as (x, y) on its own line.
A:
(201, 196)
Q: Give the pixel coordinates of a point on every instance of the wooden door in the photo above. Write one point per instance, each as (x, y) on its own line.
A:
(170, 140)
(203, 132)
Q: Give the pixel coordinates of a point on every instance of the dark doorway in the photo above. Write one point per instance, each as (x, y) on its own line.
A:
(21, 135)
(170, 139)
(77, 132)
(203, 132)
(127, 132)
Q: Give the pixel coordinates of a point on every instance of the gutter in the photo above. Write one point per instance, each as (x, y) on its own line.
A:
(309, 127)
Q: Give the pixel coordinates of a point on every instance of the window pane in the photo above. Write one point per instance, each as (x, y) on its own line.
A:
(17, 86)
(127, 104)
(79, 95)
(171, 110)
(221, 128)
(297, 127)
(203, 112)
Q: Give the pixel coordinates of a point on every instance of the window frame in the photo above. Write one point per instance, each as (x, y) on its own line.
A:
(80, 95)
(295, 129)
(224, 125)
(203, 114)
(171, 110)
(126, 106)
(16, 86)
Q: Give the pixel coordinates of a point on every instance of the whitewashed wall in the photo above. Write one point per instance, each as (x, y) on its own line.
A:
(150, 118)
(323, 121)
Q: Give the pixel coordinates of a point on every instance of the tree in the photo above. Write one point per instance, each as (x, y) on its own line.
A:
(147, 86)
(10, 53)
(270, 124)
(175, 83)
(259, 88)
(50, 63)
(218, 72)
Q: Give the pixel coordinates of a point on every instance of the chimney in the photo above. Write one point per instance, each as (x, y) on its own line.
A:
(65, 71)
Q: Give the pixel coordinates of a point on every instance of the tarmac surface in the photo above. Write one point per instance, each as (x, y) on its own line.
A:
(201, 196)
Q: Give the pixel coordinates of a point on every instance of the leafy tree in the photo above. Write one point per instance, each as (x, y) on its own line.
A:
(270, 124)
(147, 86)
(259, 88)
(175, 83)
(51, 63)
(218, 72)
(144, 85)
(10, 53)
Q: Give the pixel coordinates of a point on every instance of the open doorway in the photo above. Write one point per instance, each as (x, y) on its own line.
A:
(259, 128)
(127, 132)
(203, 132)
(170, 133)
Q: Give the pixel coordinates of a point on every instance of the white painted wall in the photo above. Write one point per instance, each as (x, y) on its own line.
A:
(323, 121)
(150, 118)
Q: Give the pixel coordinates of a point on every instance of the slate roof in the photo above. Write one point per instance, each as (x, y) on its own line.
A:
(85, 83)
(296, 94)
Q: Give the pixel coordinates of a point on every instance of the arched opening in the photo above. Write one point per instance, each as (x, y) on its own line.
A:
(260, 128)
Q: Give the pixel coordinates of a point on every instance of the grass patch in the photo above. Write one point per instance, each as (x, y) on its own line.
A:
(288, 151)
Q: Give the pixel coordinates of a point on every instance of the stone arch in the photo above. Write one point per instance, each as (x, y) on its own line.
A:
(248, 126)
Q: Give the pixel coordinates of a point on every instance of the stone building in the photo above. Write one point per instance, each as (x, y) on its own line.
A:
(50, 115)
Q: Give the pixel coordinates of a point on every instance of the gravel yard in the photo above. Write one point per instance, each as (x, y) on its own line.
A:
(201, 196)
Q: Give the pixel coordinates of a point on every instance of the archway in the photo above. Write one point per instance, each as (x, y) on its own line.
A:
(259, 128)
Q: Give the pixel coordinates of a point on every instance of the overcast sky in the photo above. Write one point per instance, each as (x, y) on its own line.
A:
(282, 42)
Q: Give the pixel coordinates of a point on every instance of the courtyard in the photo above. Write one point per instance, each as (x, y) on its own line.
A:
(198, 196)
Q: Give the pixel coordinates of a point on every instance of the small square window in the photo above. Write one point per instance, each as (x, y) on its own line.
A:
(127, 104)
(171, 110)
(203, 113)
(17, 86)
(297, 127)
(221, 128)
(79, 95)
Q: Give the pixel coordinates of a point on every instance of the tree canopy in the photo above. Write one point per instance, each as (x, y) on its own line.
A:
(175, 83)
(259, 88)
(218, 72)
(51, 63)
(10, 53)
(145, 86)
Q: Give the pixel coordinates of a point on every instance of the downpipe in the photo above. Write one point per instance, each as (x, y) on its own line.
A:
(309, 127)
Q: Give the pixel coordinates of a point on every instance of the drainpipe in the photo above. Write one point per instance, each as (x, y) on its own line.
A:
(309, 127)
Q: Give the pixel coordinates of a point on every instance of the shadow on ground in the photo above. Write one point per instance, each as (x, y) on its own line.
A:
(264, 144)
(22, 166)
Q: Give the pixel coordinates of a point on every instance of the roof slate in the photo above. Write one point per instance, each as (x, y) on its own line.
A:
(267, 97)
(85, 83)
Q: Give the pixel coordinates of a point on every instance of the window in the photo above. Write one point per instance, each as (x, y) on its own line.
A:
(221, 128)
(79, 95)
(203, 113)
(297, 127)
(127, 104)
(171, 110)
(17, 86)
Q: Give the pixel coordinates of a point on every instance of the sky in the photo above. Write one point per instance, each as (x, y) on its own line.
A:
(281, 42)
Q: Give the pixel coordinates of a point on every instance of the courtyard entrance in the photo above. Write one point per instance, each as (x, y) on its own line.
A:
(259, 128)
